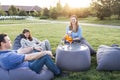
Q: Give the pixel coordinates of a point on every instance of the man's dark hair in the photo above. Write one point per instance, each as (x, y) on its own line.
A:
(2, 36)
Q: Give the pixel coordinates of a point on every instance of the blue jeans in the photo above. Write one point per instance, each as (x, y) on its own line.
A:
(37, 65)
(84, 41)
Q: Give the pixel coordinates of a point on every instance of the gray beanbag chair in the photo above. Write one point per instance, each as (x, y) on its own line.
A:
(25, 74)
(4, 74)
(108, 58)
(16, 44)
(77, 59)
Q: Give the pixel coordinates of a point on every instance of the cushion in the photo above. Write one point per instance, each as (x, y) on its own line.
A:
(76, 59)
(4, 74)
(25, 74)
(16, 44)
(108, 58)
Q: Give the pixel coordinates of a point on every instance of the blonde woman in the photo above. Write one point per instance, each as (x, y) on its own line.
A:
(76, 33)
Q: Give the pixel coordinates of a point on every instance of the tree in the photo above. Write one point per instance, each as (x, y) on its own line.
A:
(59, 8)
(2, 13)
(35, 13)
(22, 13)
(53, 13)
(66, 10)
(13, 10)
(45, 12)
(83, 12)
(102, 8)
(116, 8)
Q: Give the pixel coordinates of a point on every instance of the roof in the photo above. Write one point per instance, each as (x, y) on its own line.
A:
(25, 8)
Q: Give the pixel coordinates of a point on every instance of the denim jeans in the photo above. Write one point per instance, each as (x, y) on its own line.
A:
(37, 65)
(84, 41)
(46, 45)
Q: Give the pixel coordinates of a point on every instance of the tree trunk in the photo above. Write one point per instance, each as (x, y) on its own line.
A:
(119, 17)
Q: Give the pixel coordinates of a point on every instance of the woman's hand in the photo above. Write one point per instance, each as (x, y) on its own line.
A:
(38, 48)
(49, 53)
(76, 38)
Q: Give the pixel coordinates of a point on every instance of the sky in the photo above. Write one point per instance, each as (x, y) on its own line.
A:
(46, 3)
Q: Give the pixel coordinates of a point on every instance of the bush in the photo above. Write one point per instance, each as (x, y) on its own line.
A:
(44, 17)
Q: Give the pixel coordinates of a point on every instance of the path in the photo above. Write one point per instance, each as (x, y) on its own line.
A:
(64, 22)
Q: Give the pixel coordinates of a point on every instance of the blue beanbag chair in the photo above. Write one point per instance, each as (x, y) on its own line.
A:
(16, 44)
(25, 74)
(108, 58)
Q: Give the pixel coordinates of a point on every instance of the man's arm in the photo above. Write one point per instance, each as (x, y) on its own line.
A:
(25, 50)
(37, 55)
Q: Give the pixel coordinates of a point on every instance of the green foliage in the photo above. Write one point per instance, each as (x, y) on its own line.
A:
(105, 8)
(56, 11)
(43, 17)
(2, 13)
(22, 13)
(35, 13)
(102, 8)
(83, 12)
(59, 9)
(13, 10)
(66, 10)
(53, 13)
(45, 12)
(116, 8)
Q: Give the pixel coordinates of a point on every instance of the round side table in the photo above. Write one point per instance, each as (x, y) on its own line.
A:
(76, 58)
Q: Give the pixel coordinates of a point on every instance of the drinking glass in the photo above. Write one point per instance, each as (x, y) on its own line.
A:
(70, 41)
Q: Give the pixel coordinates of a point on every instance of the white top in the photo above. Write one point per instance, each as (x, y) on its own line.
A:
(27, 43)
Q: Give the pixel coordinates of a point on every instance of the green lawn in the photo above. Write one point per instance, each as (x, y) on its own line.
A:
(95, 20)
(54, 32)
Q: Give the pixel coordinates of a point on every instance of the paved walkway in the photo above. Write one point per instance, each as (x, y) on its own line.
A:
(64, 22)
(84, 24)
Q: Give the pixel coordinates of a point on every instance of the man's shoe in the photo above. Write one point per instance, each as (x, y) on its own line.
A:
(114, 45)
(63, 74)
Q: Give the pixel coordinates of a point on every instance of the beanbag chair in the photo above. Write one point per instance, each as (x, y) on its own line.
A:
(108, 58)
(16, 44)
(25, 74)
(4, 74)
(76, 59)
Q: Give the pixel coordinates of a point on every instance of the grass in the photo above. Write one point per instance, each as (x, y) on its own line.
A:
(94, 20)
(54, 32)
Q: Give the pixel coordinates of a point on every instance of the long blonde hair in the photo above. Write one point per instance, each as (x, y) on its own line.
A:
(71, 26)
